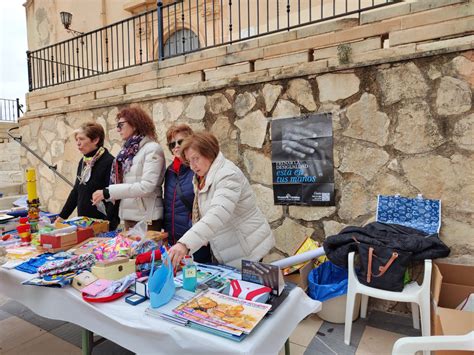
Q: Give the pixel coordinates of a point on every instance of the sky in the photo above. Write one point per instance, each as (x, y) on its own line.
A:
(13, 46)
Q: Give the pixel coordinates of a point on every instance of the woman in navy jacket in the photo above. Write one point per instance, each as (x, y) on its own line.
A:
(179, 193)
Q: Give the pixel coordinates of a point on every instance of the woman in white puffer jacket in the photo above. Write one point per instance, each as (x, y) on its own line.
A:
(225, 213)
(137, 172)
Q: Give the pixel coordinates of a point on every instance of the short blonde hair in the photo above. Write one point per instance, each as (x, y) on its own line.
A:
(178, 128)
(204, 143)
(92, 130)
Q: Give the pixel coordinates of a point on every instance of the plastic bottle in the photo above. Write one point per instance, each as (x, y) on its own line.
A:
(189, 274)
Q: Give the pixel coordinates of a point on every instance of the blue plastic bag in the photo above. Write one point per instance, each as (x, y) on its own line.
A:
(160, 282)
(327, 281)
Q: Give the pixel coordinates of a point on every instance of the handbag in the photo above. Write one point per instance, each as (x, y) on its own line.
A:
(161, 286)
(382, 267)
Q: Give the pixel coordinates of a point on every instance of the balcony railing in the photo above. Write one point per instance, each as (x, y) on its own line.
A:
(10, 110)
(174, 29)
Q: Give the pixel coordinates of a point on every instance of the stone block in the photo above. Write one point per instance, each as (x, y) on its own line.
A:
(437, 15)
(258, 166)
(290, 235)
(282, 61)
(116, 91)
(206, 54)
(40, 105)
(244, 103)
(277, 38)
(197, 65)
(384, 13)
(171, 62)
(88, 96)
(466, 41)
(296, 45)
(464, 132)
(63, 101)
(227, 71)
(326, 27)
(367, 45)
(453, 96)
(183, 79)
(270, 95)
(438, 30)
(253, 129)
(265, 202)
(333, 87)
(310, 213)
(242, 46)
(300, 91)
(422, 5)
(243, 56)
(142, 86)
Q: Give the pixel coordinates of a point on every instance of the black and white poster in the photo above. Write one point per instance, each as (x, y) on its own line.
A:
(302, 161)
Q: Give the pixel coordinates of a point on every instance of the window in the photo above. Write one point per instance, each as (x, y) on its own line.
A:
(174, 44)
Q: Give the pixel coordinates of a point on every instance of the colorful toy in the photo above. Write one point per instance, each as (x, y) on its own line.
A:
(24, 230)
(33, 200)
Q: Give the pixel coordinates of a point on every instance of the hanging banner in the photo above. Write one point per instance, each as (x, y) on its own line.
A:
(302, 161)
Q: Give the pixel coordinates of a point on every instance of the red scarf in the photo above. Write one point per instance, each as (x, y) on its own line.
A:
(177, 165)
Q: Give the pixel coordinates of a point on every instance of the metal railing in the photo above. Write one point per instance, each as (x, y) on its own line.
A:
(10, 110)
(177, 28)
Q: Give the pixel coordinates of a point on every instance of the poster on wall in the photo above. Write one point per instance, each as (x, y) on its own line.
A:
(302, 161)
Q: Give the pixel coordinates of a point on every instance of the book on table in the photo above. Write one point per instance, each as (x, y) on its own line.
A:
(216, 310)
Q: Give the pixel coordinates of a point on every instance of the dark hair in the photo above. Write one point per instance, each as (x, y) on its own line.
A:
(203, 142)
(178, 128)
(92, 130)
(139, 120)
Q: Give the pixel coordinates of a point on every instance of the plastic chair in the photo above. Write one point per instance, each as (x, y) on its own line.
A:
(410, 345)
(417, 295)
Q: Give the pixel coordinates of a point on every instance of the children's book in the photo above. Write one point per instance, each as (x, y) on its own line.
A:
(224, 310)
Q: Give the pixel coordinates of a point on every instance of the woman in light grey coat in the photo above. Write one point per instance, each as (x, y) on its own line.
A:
(137, 172)
(225, 213)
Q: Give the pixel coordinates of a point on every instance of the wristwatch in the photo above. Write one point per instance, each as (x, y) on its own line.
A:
(106, 193)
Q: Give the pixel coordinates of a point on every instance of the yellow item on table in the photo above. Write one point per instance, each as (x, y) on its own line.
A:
(31, 184)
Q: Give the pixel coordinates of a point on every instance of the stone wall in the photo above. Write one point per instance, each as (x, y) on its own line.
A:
(404, 127)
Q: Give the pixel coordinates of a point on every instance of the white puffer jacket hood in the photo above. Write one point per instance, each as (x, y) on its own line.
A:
(141, 192)
(230, 219)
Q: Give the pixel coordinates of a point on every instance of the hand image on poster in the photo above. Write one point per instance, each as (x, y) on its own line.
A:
(302, 155)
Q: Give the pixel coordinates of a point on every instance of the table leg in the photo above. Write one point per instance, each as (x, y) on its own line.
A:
(287, 346)
(87, 341)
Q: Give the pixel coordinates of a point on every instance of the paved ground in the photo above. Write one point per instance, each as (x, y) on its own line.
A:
(24, 332)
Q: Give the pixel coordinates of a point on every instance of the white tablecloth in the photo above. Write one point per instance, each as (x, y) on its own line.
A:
(129, 327)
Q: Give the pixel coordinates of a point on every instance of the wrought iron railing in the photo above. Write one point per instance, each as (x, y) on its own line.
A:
(177, 28)
(10, 110)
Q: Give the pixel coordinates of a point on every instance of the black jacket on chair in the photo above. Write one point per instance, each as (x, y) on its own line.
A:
(421, 245)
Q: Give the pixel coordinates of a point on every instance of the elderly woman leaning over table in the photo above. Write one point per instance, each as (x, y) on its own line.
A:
(137, 172)
(225, 214)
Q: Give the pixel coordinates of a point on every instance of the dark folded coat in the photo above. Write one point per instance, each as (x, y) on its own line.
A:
(421, 245)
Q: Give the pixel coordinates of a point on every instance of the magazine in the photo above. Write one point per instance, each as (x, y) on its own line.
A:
(166, 311)
(224, 310)
(204, 274)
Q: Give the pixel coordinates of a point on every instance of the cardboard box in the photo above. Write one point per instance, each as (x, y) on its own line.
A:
(100, 226)
(114, 269)
(84, 234)
(450, 285)
(50, 242)
(300, 277)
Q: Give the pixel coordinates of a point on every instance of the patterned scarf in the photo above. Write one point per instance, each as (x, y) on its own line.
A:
(196, 214)
(88, 164)
(123, 162)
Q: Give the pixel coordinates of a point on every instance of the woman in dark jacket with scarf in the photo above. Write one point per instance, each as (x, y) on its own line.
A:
(179, 192)
(92, 174)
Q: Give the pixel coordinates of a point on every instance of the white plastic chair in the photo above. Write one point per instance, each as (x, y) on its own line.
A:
(417, 295)
(410, 345)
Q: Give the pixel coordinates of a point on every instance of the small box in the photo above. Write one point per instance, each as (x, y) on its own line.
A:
(114, 269)
(100, 226)
(82, 280)
(450, 285)
(58, 241)
(300, 277)
(84, 234)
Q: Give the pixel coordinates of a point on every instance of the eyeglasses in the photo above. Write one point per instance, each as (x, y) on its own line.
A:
(172, 145)
(120, 125)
